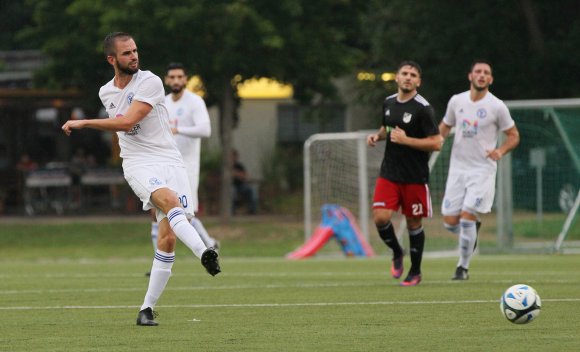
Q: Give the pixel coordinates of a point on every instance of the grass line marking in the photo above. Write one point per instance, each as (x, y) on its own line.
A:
(282, 305)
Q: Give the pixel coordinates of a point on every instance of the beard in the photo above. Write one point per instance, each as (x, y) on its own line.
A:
(127, 70)
(406, 90)
(176, 89)
(480, 88)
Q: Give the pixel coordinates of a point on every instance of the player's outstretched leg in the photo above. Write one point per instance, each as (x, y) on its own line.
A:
(209, 259)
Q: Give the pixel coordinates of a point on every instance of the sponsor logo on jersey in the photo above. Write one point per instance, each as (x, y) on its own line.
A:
(446, 203)
(179, 111)
(477, 202)
(154, 181)
(130, 97)
(112, 106)
(481, 113)
(469, 128)
(407, 117)
(388, 112)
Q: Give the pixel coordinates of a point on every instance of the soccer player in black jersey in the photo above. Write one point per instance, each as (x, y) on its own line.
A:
(411, 133)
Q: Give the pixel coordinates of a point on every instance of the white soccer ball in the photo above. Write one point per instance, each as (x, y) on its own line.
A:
(520, 304)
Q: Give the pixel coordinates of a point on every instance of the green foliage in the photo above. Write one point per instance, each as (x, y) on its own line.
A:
(14, 15)
(300, 42)
(445, 37)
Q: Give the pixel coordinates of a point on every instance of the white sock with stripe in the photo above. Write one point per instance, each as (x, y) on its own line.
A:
(467, 237)
(185, 232)
(160, 274)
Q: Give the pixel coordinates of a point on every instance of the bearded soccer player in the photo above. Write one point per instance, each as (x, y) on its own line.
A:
(152, 165)
(478, 117)
(409, 128)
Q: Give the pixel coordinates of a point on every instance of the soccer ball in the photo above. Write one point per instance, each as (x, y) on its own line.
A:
(520, 304)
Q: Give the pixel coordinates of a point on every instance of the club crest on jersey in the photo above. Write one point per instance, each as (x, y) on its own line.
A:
(179, 111)
(481, 113)
(130, 97)
(407, 117)
(154, 181)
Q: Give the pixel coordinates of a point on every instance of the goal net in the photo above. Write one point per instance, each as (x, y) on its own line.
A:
(339, 168)
(545, 175)
(536, 202)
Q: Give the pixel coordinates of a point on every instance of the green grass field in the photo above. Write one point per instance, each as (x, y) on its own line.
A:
(79, 286)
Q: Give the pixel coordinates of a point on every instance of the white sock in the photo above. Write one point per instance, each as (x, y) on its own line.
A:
(205, 237)
(467, 237)
(185, 232)
(154, 233)
(160, 274)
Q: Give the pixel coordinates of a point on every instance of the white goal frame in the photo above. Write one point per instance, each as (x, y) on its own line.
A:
(362, 179)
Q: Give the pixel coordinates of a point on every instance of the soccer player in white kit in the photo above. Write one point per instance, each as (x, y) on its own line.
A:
(189, 122)
(478, 117)
(152, 164)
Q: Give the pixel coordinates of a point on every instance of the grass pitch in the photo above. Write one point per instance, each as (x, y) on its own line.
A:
(82, 292)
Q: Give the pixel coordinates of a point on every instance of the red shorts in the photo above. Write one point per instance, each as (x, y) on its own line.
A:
(413, 198)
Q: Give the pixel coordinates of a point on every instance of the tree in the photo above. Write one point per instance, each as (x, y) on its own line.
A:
(530, 43)
(301, 42)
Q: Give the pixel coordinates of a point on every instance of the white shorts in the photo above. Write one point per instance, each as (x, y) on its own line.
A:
(146, 179)
(468, 191)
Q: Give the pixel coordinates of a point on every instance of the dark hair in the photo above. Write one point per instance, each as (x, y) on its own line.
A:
(480, 61)
(412, 64)
(175, 66)
(110, 39)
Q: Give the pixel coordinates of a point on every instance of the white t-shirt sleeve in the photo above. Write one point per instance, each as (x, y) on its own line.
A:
(449, 118)
(504, 119)
(201, 124)
(150, 91)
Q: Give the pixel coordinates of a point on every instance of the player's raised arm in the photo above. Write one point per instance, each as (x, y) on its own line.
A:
(136, 113)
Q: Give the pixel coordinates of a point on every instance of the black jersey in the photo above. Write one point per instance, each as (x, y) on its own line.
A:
(401, 163)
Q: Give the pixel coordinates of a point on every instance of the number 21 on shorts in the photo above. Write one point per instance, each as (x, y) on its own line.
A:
(417, 209)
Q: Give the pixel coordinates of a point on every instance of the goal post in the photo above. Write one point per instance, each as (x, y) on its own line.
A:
(536, 200)
(354, 146)
(340, 168)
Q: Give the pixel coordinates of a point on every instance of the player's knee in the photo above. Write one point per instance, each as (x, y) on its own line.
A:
(165, 199)
(381, 217)
(414, 223)
(450, 221)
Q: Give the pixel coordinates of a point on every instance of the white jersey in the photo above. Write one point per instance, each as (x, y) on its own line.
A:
(477, 127)
(150, 140)
(190, 117)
